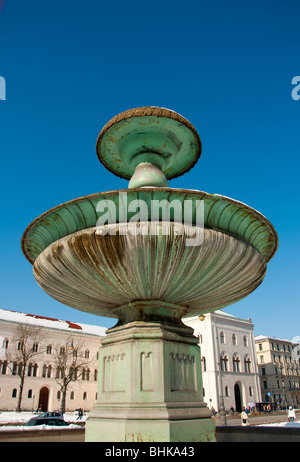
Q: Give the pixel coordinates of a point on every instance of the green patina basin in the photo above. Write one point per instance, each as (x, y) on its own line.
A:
(99, 272)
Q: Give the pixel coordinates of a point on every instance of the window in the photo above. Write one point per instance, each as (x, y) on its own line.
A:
(15, 368)
(85, 374)
(262, 360)
(46, 371)
(245, 340)
(49, 349)
(62, 351)
(224, 362)
(265, 384)
(3, 367)
(20, 346)
(72, 395)
(14, 393)
(86, 354)
(260, 347)
(5, 343)
(35, 347)
(263, 371)
(84, 397)
(29, 395)
(226, 391)
(32, 370)
(233, 339)
(58, 395)
(95, 375)
(222, 337)
(236, 363)
(247, 364)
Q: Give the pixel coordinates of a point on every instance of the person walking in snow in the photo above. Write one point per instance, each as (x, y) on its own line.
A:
(244, 417)
(291, 414)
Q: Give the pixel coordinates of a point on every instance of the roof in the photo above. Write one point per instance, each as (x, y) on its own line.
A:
(25, 318)
(260, 338)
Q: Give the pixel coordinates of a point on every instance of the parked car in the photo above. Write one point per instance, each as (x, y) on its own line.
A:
(53, 421)
(57, 415)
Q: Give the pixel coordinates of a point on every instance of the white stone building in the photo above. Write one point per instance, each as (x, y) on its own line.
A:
(279, 371)
(41, 389)
(228, 360)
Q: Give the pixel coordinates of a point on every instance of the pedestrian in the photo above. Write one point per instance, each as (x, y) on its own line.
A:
(244, 417)
(291, 414)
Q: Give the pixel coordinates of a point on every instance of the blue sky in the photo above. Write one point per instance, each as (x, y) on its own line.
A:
(70, 66)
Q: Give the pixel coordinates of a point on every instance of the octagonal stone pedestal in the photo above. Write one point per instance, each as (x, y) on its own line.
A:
(150, 385)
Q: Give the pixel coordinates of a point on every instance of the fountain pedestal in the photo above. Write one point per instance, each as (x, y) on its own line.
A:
(150, 386)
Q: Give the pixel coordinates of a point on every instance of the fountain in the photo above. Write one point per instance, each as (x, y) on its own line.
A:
(149, 255)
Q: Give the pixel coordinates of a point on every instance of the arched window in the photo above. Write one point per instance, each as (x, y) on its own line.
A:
(29, 395)
(3, 367)
(72, 395)
(247, 363)
(224, 362)
(14, 393)
(46, 371)
(236, 363)
(49, 349)
(84, 395)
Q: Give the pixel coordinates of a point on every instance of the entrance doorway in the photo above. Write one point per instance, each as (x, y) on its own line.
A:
(43, 399)
(238, 400)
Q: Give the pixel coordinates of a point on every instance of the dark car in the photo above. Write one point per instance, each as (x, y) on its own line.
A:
(53, 421)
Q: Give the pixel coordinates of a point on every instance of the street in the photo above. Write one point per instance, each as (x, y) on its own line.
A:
(257, 419)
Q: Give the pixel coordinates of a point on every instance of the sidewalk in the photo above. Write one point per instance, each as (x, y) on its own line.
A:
(257, 419)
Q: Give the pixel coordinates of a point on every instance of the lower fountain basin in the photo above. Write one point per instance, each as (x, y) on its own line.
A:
(117, 274)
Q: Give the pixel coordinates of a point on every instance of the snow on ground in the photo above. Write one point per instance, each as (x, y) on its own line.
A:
(281, 424)
(18, 419)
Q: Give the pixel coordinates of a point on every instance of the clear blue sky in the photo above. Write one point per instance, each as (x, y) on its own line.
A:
(226, 66)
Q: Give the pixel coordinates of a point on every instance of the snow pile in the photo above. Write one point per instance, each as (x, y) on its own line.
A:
(281, 424)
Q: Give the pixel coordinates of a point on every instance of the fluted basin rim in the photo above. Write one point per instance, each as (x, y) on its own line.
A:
(221, 213)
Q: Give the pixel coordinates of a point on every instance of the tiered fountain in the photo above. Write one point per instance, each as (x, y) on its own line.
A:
(146, 256)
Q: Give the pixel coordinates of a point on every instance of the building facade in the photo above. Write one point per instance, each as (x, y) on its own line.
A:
(43, 373)
(229, 368)
(279, 371)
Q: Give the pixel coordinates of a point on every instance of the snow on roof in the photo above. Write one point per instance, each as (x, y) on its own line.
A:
(260, 338)
(25, 318)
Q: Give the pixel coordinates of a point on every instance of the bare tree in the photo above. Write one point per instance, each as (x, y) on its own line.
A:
(26, 344)
(71, 362)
